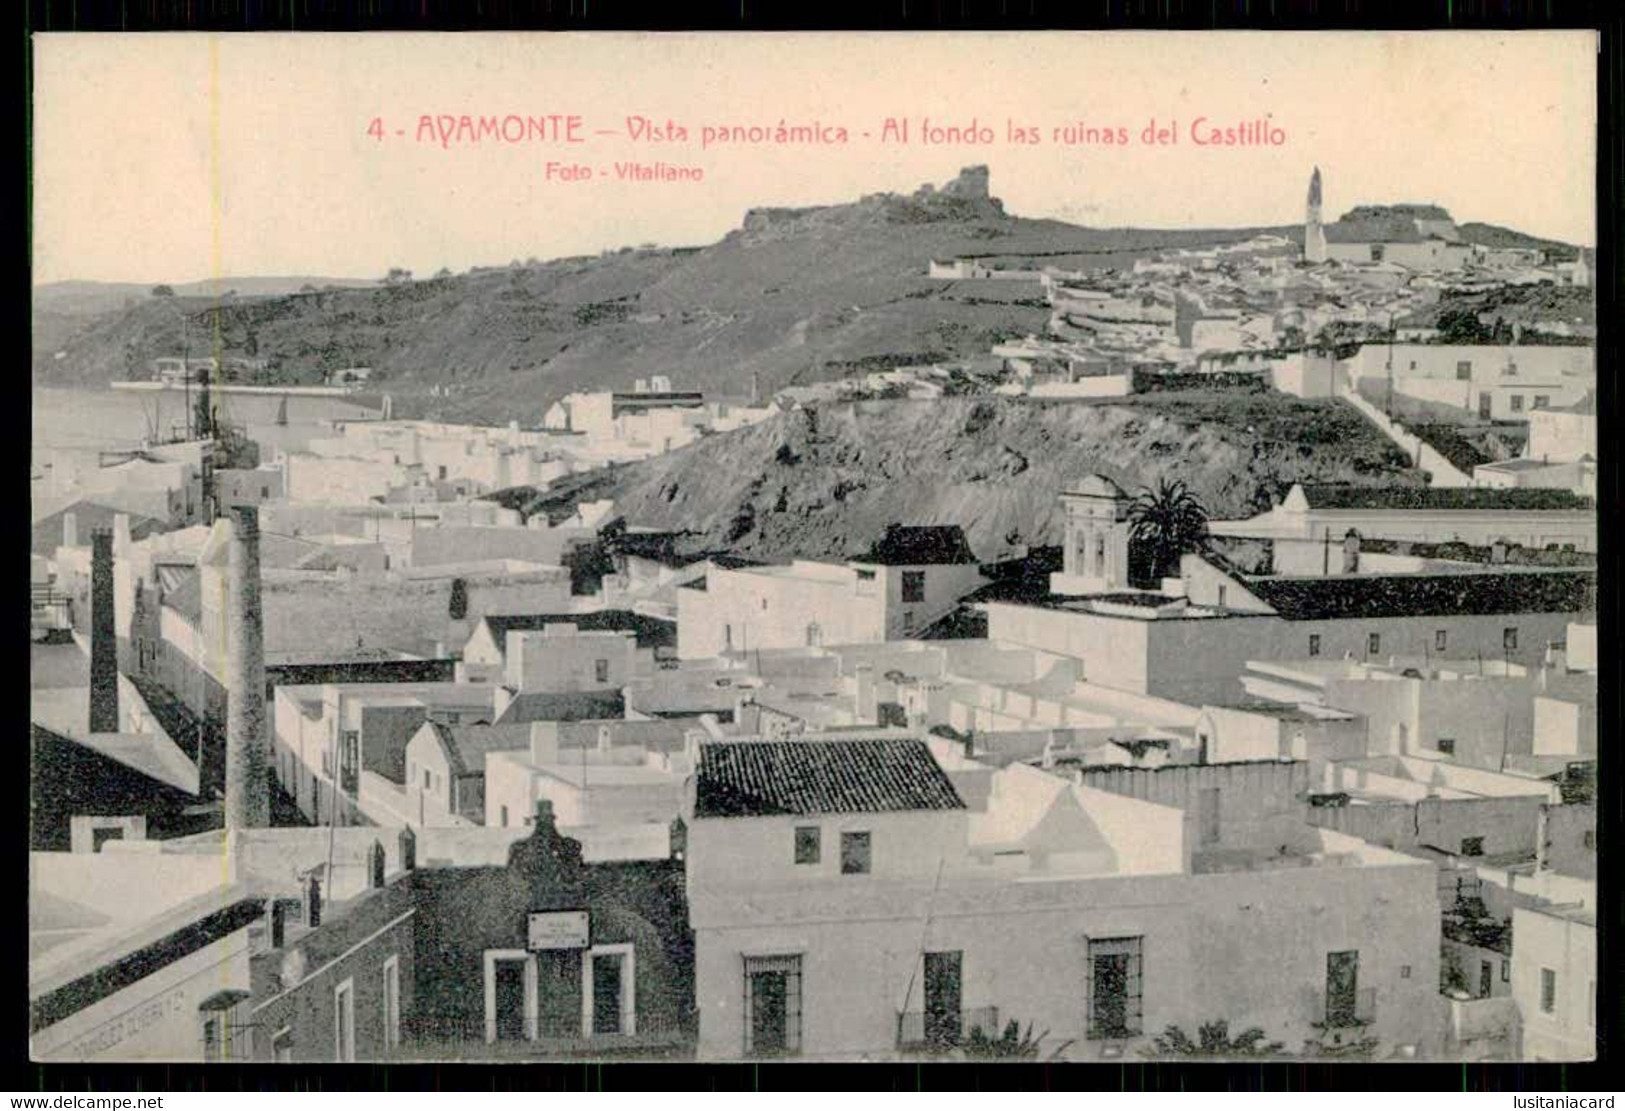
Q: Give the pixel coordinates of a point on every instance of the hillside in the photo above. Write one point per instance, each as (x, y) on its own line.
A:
(1493, 235)
(1526, 304)
(89, 298)
(788, 297)
(826, 481)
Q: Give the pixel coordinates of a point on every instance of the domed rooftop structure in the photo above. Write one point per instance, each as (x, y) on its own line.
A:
(1096, 486)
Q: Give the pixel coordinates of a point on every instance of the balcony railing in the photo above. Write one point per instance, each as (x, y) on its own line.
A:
(463, 1038)
(925, 1029)
(1344, 1010)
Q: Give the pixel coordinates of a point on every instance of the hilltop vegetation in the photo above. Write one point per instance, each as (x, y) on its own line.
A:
(825, 481)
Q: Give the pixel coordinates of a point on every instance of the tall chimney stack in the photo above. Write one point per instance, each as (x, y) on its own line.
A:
(103, 637)
(248, 799)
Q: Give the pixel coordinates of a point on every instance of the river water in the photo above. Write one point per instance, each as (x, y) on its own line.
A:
(115, 420)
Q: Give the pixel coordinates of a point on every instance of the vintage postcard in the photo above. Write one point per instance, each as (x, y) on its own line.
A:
(699, 547)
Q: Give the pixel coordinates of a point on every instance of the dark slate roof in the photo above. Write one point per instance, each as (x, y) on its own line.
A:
(187, 598)
(71, 778)
(1430, 497)
(652, 632)
(564, 706)
(466, 745)
(88, 516)
(919, 546)
(755, 778)
(661, 547)
(1371, 596)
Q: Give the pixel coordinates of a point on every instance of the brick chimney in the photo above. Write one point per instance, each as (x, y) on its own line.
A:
(248, 800)
(409, 849)
(104, 716)
(277, 913)
(313, 901)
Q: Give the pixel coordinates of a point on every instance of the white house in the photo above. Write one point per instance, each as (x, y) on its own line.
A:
(1492, 382)
(1554, 981)
(911, 578)
(598, 774)
(867, 898)
(1308, 529)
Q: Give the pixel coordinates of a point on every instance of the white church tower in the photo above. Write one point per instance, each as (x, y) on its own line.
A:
(1095, 559)
(1314, 235)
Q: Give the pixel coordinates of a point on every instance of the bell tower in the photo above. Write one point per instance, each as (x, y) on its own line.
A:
(1095, 559)
(1314, 235)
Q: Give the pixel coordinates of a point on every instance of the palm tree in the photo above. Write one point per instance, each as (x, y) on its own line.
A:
(1013, 1044)
(1169, 521)
(1213, 1040)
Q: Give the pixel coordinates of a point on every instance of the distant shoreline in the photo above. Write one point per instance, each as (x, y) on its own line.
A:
(285, 391)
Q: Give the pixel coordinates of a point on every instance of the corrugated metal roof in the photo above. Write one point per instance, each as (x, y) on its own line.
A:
(755, 778)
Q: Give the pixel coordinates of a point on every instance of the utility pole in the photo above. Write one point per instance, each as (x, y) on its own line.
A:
(186, 375)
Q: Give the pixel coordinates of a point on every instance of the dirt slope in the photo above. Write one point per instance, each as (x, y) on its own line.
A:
(826, 481)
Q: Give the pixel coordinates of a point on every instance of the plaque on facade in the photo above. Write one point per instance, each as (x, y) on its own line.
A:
(557, 929)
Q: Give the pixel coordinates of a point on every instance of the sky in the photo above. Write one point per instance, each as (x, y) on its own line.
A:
(187, 156)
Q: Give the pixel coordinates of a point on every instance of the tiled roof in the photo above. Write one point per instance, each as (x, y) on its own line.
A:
(466, 745)
(1429, 497)
(920, 546)
(1372, 596)
(754, 778)
(563, 706)
(88, 516)
(652, 632)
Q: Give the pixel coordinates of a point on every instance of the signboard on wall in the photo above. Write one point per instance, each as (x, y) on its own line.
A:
(558, 929)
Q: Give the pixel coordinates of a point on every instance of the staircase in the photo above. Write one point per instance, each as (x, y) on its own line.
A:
(1423, 455)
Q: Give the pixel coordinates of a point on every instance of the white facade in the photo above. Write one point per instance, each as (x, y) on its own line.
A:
(152, 1012)
(1427, 254)
(1033, 911)
(807, 604)
(1554, 981)
(562, 657)
(1487, 382)
(1307, 538)
(1559, 436)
